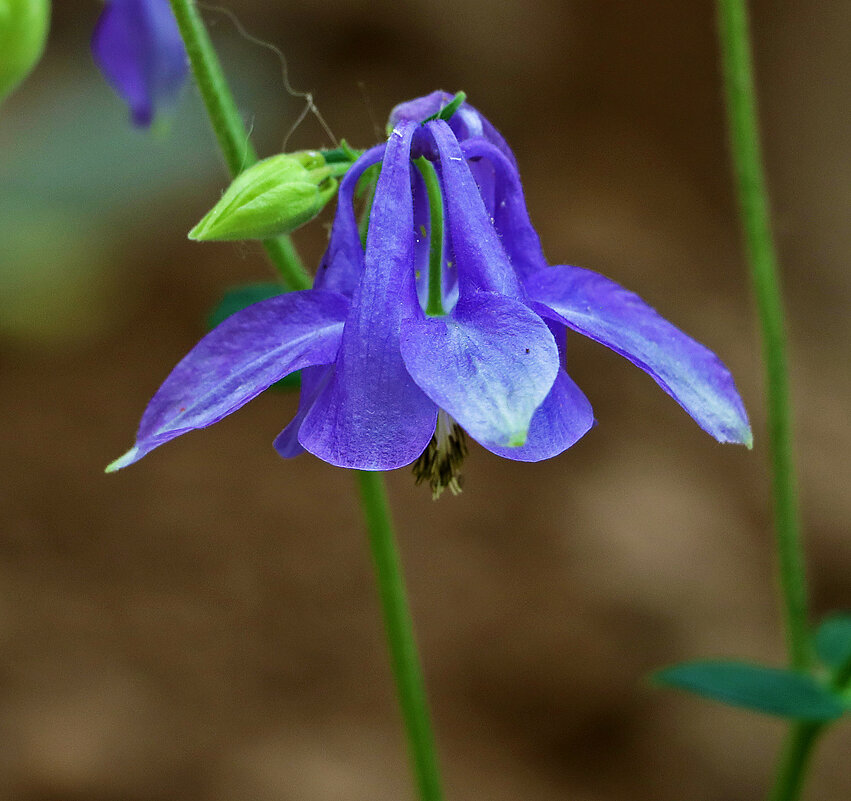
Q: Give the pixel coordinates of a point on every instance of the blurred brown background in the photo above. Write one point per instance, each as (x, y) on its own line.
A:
(204, 627)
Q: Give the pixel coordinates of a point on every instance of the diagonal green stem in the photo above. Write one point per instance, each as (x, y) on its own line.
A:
(230, 131)
(400, 636)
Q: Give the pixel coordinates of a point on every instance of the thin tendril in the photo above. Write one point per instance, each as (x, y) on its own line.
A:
(367, 101)
(310, 107)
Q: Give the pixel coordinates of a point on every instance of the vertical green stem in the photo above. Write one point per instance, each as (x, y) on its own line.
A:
(229, 129)
(794, 761)
(799, 746)
(434, 306)
(753, 198)
(400, 636)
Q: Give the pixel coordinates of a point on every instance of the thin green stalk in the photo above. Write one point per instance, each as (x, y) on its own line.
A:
(753, 199)
(792, 769)
(434, 306)
(227, 124)
(800, 743)
(400, 636)
(842, 677)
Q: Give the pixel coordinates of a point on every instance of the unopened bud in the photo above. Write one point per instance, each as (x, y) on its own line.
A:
(23, 31)
(272, 197)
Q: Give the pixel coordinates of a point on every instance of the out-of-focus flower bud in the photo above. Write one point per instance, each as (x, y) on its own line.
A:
(272, 197)
(23, 31)
(137, 46)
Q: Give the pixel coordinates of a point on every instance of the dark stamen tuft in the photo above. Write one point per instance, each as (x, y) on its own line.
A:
(440, 463)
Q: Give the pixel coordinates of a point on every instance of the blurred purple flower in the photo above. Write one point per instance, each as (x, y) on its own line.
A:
(137, 46)
(385, 384)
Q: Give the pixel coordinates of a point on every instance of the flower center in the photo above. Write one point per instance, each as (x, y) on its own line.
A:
(440, 463)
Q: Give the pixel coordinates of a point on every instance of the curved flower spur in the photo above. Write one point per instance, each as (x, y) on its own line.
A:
(432, 330)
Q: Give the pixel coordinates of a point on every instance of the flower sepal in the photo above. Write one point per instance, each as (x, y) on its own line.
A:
(240, 297)
(272, 197)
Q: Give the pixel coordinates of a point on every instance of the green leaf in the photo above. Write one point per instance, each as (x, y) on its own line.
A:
(238, 298)
(833, 640)
(762, 689)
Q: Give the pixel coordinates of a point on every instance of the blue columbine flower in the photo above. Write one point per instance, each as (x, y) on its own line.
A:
(387, 381)
(137, 46)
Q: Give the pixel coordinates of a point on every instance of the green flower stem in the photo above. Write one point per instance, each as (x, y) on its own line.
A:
(793, 765)
(400, 636)
(227, 124)
(799, 745)
(753, 199)
(842, 677)
(434, 306)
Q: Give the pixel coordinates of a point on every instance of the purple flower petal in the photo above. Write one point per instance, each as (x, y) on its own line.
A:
(511, 219)
(489, 364)
(606, 312)
(313, 381)
(137, 46)
(560, 421)
(481, 261)
(236, 361)
(372, 416)
(342, 265)
(466, 123)
(422, 237)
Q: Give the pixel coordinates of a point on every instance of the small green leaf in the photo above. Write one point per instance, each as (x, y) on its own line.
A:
(833, 640)
(761, 689)
(448, 110)
(238, 298)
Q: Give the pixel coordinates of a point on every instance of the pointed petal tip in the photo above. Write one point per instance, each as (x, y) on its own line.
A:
(736, 431)
(133, 455)
(746, 438)
(740, 436)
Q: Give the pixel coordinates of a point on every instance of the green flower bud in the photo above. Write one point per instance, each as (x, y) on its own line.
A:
(23, 32)
(272, 197)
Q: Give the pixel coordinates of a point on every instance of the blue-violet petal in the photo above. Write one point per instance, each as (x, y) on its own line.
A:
(560, 421)
(481, 260)
(372, 416)
(606, 312)
(236, 361)
(341, 266)
(489, 364)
